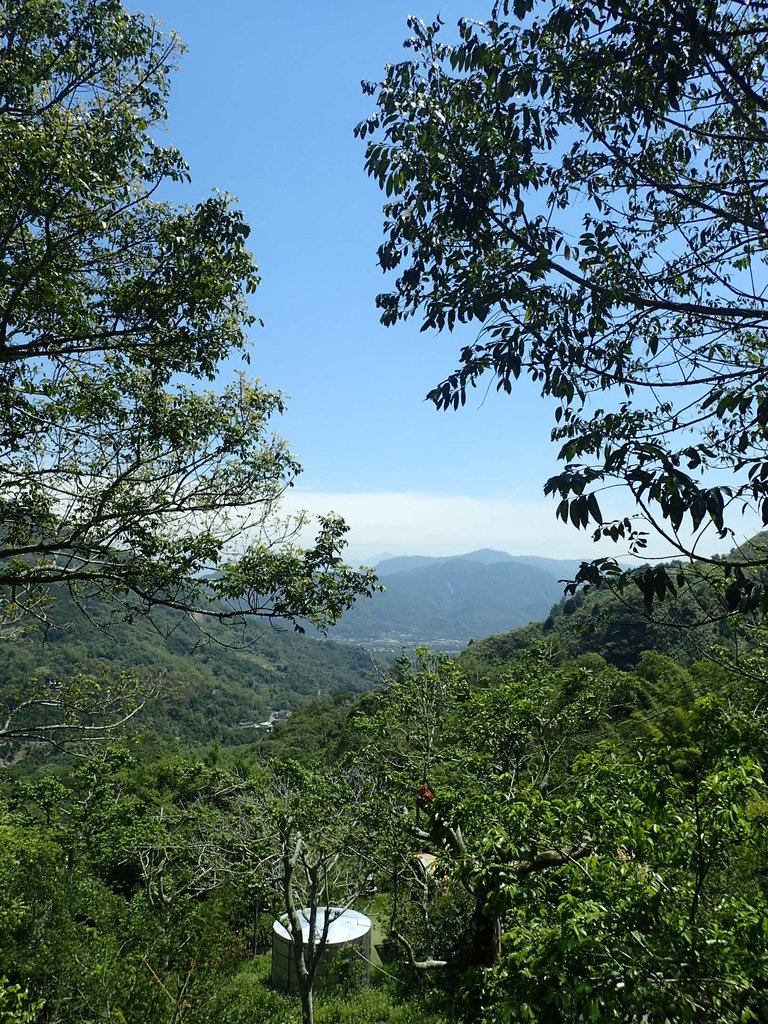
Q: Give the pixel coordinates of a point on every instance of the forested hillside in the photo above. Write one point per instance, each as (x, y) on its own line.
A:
(198, 689)
(599, 838)
(598, 825)
(616, 624)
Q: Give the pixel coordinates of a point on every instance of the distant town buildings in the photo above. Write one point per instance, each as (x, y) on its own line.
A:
(274, 716)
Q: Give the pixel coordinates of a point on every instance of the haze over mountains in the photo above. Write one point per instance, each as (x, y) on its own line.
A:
(444, 602)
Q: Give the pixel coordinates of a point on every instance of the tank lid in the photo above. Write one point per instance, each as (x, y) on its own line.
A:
(345, 925)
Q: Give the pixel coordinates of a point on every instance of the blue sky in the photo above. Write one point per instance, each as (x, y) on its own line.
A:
(264, 107)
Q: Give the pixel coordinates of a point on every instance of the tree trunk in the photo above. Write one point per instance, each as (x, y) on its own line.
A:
(485, 933)
(307, 1003)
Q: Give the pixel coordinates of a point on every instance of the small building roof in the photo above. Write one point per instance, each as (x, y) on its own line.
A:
(345, 925)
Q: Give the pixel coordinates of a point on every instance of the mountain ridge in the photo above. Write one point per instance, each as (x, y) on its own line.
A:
(557, 567)
(445, 601)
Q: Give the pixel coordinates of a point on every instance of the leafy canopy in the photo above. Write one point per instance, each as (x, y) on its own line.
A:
(119, 475)
(585, 181)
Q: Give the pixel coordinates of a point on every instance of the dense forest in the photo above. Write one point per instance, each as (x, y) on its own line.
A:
(193, 688)
(599, 840)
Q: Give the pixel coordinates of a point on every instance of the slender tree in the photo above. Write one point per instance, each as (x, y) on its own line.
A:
(318, 833)
(121, 477)
(585, 182)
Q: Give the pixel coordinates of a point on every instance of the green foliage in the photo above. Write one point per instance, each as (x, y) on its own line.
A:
(316, 733)
(126, 894)
(578, 877)
(580, 873)
(653, 924)
(612, 622)
(375, 1006)
(598, 834)
(14, 1005)
(120, 476)
(245, 998)
(87, 679)
(468, 774)
(584, 181)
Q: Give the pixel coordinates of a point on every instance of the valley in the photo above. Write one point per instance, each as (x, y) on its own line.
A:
(443, 603)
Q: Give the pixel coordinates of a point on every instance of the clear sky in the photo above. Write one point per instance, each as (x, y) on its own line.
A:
(264, 107)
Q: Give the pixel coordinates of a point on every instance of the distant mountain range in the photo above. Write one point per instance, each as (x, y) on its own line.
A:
(559, 567)
(444, 602)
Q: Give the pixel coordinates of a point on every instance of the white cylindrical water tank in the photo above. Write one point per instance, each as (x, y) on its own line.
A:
(348, 929)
